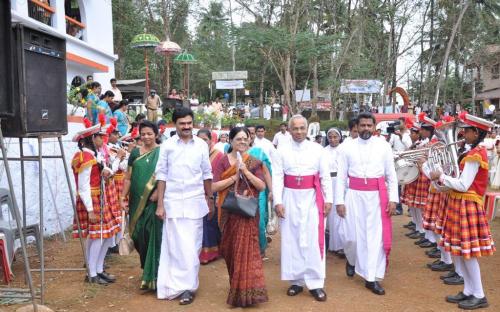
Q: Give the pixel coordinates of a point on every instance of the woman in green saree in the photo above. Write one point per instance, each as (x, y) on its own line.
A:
(140, 186)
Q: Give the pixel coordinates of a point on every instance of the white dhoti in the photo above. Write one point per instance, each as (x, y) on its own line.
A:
(336, 242)
(361, 230)
(301, 260)
(179, 257)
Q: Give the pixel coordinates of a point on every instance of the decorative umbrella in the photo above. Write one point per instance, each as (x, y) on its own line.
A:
(145, 41)
(185, 59)
(168, 48)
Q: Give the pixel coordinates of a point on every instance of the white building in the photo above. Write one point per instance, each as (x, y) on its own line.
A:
(87, 26)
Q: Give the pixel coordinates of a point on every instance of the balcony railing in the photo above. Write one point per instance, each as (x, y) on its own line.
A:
(74, 28)
(41, 11)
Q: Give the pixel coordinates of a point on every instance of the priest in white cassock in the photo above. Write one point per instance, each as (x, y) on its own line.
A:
(184, 177)
(366, 169)
(302, 195)
(335, 243)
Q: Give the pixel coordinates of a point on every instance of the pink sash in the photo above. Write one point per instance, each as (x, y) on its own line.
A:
(308, 182)
(377, 184)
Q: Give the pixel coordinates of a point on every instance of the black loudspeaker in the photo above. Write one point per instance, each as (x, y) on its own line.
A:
(6, 107)
(39, 97)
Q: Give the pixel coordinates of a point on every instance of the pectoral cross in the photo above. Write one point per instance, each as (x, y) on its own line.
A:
(299, 179)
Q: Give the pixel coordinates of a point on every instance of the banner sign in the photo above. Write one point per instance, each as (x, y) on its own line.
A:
(320, 106)
(360, 86)
(230, 75)
(229, 84)
(303, 95)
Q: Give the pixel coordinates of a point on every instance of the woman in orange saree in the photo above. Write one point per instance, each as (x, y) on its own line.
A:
(240, 235)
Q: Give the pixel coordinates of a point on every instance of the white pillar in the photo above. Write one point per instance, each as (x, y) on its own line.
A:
(58, 19)
(20, 7)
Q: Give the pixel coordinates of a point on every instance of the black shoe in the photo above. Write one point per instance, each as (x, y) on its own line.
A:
(427, 252)
(294, 290)
(415, 235)
(457, 298)
(435, 255)
(421, 241)
(319, 294)
(413, 232)
(441, 267)
(107, 277)
(438, 261)
(349, 269)
(448, 275)
(409, 224)
(96, 280)
(114, 249)
(375, 288)
(427, 244)
(473, 303)
(455, 280)
(187, 297)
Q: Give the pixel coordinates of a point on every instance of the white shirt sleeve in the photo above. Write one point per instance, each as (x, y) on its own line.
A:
(326, 180)
(406, 139)
(206, 167)
(390, 176)
(115, 165)
(84, 188)
(341, 182)
(462, 183)
(278, 179)
(275, 139)
(124, 164)
(426, 170)
(162, 164)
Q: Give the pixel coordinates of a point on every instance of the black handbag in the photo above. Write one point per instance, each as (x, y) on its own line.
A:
(242, 205)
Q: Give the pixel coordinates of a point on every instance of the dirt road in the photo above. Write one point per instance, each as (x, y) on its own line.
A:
(410, 286)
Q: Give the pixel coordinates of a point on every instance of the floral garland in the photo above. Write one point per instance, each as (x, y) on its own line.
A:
(77, 96)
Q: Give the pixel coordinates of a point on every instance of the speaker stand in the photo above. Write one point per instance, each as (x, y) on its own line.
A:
(39, 158)
(21, 233)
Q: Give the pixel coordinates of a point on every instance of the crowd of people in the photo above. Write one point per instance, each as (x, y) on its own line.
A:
(192, 198)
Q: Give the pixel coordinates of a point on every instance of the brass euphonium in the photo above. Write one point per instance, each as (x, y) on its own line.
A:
(441, 156)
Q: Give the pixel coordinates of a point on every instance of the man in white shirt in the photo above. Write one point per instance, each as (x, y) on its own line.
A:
(184, 182)
(193, 102)
(400, 140)
(366, 194)
(282, 137)
(118, 94)
(266, 145)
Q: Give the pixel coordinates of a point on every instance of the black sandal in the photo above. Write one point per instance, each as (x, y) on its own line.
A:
(318, 294)
(294, 290)
(186, 298)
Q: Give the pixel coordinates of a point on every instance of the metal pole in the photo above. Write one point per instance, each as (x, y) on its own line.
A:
(58, 217)
(23, 182)
(18, 222)
(40, 203)
(59, 138)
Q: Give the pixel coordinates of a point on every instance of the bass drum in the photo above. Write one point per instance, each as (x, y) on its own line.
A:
(406, 171)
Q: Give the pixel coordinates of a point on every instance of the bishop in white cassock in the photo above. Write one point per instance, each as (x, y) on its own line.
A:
(300, 173)
(366, 170)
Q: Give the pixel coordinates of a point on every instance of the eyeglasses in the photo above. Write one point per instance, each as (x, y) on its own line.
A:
(241, 140)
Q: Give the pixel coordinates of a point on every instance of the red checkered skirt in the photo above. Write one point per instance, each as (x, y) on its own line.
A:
(422, 192)
(441, 214)
(118, 178)
(408, 196)
(112, 199)
(92, 230)
(466, 231)
(434, 202)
